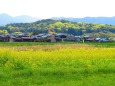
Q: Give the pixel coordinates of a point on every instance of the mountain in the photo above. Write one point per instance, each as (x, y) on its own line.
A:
(99, 20)
(7, 19)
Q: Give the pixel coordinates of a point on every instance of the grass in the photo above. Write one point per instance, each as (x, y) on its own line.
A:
(96, 44)
(32, 43)
(101, 44)
(56, 77)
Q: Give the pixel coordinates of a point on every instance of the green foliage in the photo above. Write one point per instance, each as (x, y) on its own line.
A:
(17, 32)
(63, 26)
(3, 32)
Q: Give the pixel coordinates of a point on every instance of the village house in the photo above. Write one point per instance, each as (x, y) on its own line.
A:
(61, 37)
(88, 38)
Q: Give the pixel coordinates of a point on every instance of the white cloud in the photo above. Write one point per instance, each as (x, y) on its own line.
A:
(58, 8)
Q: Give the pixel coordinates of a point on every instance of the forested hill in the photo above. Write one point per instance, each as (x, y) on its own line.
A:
(61, 26)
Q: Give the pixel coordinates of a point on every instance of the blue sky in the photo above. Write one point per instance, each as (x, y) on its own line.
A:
(58, 8)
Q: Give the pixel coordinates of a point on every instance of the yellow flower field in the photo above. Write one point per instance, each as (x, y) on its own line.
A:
(57, 65)
(35, 57)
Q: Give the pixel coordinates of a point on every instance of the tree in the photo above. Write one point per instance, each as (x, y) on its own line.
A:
(3, 32)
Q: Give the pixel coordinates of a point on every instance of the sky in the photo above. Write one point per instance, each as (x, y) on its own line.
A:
(58, 8)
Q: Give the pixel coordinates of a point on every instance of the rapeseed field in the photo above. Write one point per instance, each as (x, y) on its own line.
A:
(57, 65)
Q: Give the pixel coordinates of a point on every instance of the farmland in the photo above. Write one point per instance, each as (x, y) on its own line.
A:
(97, 44)
(57, 64)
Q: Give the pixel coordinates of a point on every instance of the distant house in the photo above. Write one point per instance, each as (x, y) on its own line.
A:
(104, 40)
(88, 38)
(27, 39)
(4, 38)
(21, 39)
(101, 40)
(78, 38)
(44, 37)
(51, 38)
(71, 38)
(61, 36)
(97, 39)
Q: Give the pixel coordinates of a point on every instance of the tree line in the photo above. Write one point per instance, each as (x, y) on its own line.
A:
(62, 26)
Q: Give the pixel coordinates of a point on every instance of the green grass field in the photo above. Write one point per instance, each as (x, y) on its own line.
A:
(57, 64)
(97, 44)
(102, 44)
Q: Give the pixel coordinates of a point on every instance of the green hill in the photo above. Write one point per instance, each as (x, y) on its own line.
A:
(62, 26)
